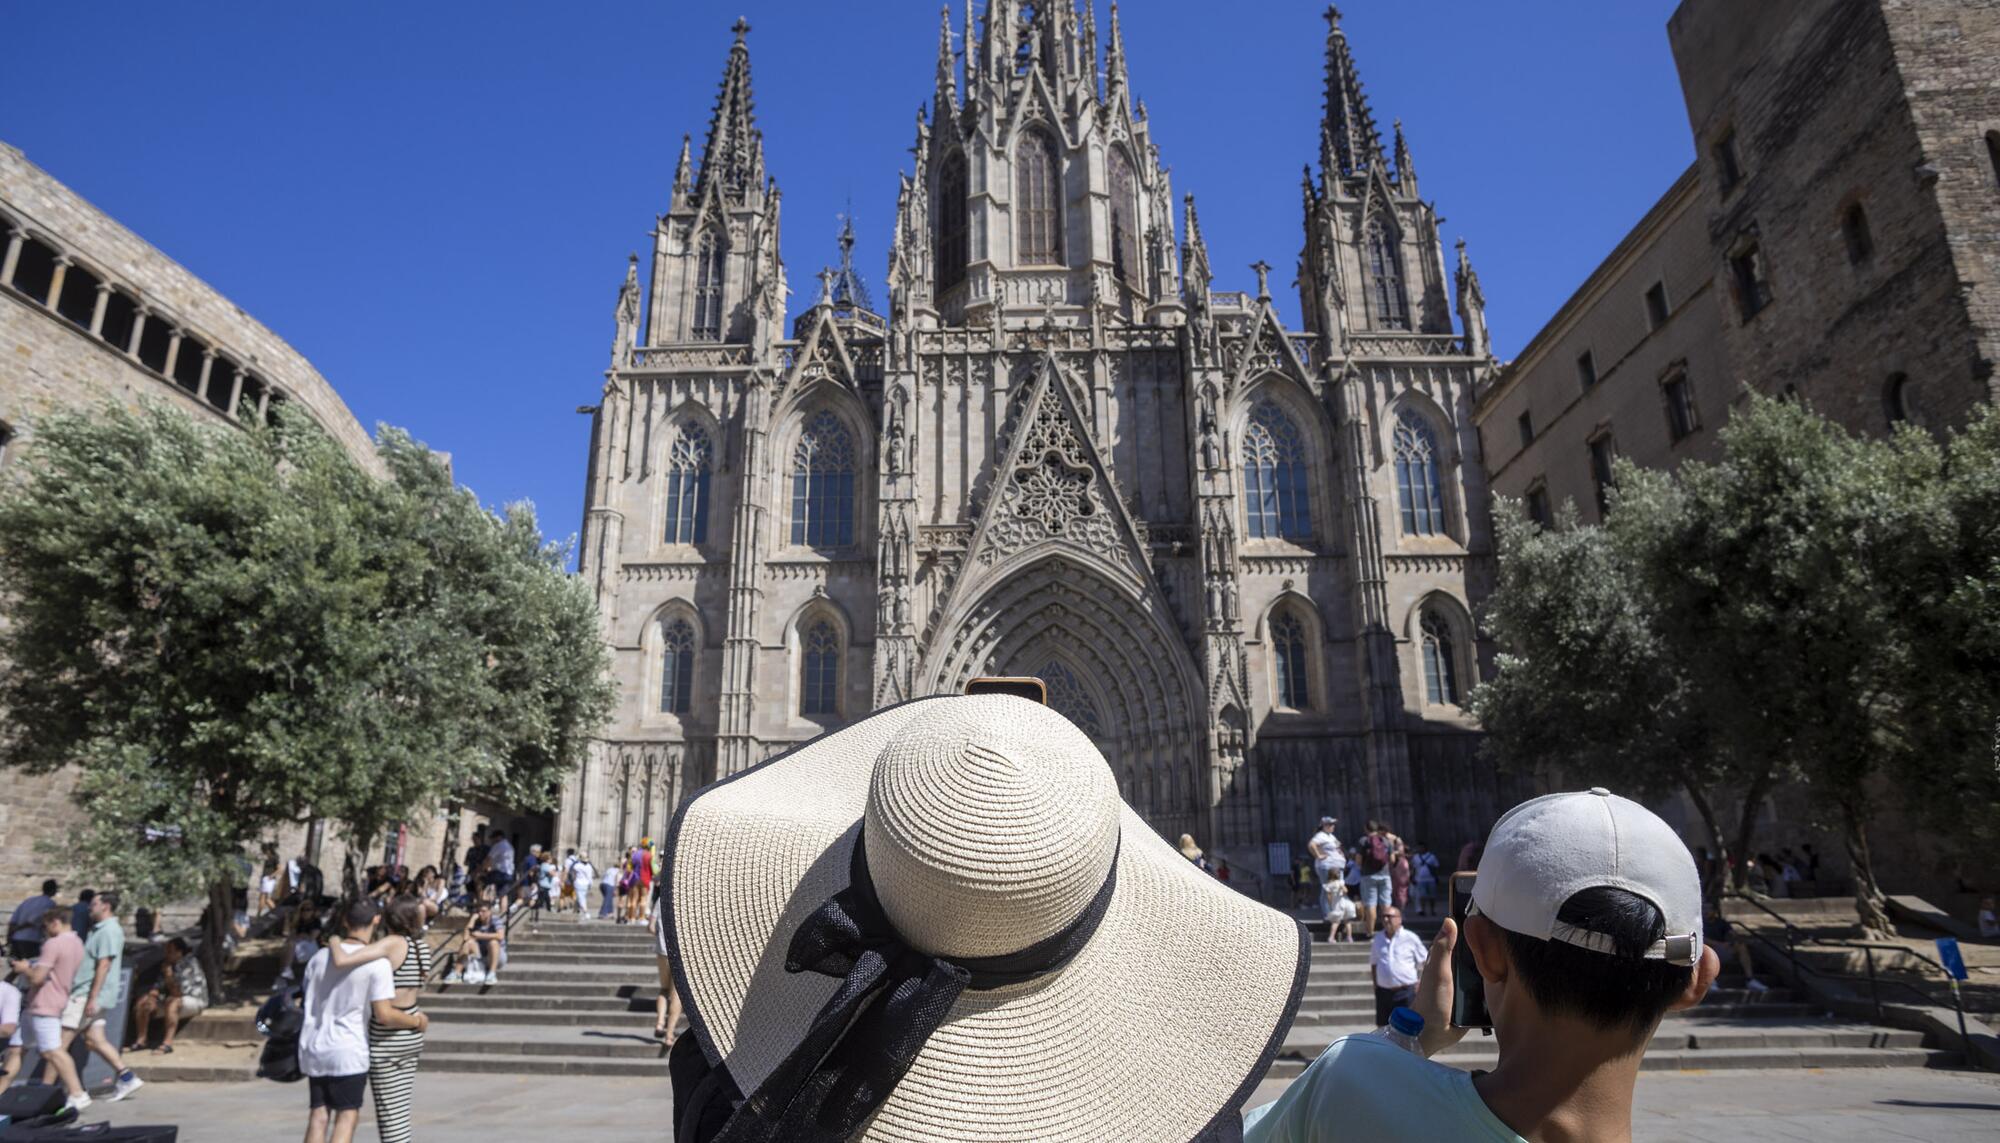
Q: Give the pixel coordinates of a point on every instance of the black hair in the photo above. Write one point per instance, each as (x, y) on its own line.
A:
(405, 916)
(1607, 990)
(110, 899)
(359, 914)
(180, 945)
(87, 896)
(50, 888)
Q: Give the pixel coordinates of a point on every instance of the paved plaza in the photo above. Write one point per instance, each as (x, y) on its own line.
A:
(1860, 1105)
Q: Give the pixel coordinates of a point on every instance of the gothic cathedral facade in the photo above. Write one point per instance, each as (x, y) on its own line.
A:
(1244, 558)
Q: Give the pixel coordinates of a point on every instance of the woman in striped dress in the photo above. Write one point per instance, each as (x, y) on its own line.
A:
(393, 1053)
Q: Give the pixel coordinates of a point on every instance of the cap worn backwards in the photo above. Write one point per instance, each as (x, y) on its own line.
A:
(1545, 851)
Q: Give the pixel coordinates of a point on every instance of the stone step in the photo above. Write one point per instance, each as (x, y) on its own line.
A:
(598, 977)
(543, 1066)
(542, 1041)
(508, 997)
(510, 986)
(1728, 1059)
(637, 1016)
(1684, 1033)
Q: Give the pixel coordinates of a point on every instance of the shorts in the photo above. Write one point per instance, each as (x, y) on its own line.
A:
(72, 1014)
(338, 1093)
(1328, 869)
(1376, 889)
(48, 1034)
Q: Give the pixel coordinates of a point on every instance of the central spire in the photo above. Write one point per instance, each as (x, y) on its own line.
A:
(1349, 142)
(733, 158)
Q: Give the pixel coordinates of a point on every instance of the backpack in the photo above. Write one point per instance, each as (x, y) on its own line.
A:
(281, 1022)
(1374, 853)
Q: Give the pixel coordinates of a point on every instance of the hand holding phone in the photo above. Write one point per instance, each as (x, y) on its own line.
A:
(1468, 1000)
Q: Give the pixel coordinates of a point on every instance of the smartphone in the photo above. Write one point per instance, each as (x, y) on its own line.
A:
(1027, 687)
(1468, 997)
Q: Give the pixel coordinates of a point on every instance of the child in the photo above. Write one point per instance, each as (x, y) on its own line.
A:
(1342, 916)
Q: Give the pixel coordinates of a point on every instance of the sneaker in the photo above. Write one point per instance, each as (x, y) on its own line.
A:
(126, 1085)
(493, 978)
(453, 978)
(1755, 985)
(77, 1102)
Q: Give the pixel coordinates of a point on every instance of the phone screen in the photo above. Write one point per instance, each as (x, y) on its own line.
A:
(1468, 998)
(1030, 688)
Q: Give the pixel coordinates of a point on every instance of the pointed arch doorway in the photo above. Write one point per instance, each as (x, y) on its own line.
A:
(1113, 667)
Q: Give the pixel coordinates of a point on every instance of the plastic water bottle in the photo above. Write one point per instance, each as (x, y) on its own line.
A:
(1404, 1030)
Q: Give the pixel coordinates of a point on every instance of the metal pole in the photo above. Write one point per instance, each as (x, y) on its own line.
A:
(1964, 1041)
(1873, 994)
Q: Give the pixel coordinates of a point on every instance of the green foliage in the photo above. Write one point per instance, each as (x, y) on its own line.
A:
(228, 630)
(1814, 607)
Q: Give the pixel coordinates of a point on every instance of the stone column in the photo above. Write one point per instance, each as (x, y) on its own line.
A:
(15, 238)
(235, 390)
(138, 331)
(173, 352)
(207, 368)
(264, 403)
(97, 311)
(63, 263)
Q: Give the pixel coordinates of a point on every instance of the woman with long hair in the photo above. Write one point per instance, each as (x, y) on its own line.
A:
(667, 1005)
(627, 879)
(393, 1053)
(642, 864)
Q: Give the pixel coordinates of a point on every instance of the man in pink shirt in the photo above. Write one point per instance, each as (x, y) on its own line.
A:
(50, 976)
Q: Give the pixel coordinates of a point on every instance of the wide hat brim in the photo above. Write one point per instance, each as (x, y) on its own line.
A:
(1160, 1026)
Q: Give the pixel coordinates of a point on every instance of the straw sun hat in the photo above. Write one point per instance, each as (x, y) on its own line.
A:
(1054, 969)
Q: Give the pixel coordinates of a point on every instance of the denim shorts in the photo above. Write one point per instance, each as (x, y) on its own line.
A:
(1376, 889)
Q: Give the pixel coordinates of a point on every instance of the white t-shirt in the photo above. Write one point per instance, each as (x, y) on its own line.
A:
(1329, 845)
(334, 1041)
(10, 1012)
(1367, 1088)
(501, 857)
(1399, 961)
(581, 873)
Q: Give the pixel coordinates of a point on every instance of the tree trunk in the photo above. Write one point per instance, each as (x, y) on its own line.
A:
(220, 916)
(1718, 862)
(1869, 903)
(1746, 827)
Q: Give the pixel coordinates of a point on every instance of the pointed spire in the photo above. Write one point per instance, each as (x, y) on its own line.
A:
(965, 43)
(1472, 307)
(1116, 78)
(1349, 142)
(1406, 167)
(1194, 251)
(1095, 89)
(683, 173)
(732, 160)
(947, 70)
(849, 294)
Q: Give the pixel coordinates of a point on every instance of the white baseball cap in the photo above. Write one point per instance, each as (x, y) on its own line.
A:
(1546, 850)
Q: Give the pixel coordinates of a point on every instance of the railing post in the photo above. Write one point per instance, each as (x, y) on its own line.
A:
(1874, 994)
(1964, 1041)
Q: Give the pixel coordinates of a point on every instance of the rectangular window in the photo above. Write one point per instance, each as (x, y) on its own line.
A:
(1586, 369)
(1728, 168)
(1680, 405)
(1656, 305)
(1753, 288)
(1527, 423)
(1601, 452)
(1538, 503)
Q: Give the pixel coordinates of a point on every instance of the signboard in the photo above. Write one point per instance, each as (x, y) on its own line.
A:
(1954, 961)
(1278, 858)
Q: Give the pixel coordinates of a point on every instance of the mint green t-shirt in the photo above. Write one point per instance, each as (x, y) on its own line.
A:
(1365, 1088)
(106, 939)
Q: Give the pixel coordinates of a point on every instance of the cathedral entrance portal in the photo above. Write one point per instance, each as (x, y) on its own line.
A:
(1112, 666)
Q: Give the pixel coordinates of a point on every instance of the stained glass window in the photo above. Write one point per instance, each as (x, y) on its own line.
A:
(688, 464)
(823, 484)
(1067, 697)
(1288, 651)
(819, 684)
(1124, 217)
(1419, 478)
(1275, 495)
(676, 666)
(1038, 200)
(1385, 277)
(708, 283)
(1440, 665)
(954, 222)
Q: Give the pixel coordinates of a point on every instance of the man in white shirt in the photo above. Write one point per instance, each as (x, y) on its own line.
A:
(500, 866)
(581, 874)
(1585, 928)
(333, 1043)
(1396, 957)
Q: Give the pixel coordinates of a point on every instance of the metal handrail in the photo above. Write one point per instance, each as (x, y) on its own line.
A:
(1793, 937)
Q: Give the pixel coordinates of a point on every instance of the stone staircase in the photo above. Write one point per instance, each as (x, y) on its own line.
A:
(1733, 1028)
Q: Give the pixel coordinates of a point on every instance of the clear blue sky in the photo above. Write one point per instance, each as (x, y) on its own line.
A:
(433, 202)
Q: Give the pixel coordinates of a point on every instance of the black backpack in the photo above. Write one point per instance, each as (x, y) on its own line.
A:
(281, 1022)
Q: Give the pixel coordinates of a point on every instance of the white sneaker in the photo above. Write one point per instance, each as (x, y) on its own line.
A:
(78, 1102)
(493, 978)
(453, 978)
(126, 1085)
(1755, 985)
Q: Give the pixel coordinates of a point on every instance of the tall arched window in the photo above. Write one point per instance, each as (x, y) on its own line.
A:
(1419, 477)
(819, 675)
(1067, 697)
(708, 274)
(1288, 654)
(1038, 200)
(1440, 663)
(676, 666)
(823, 484)
(688, 464)
(1385, 276)
(1124, 216)
(954, 222)
(1275, 494)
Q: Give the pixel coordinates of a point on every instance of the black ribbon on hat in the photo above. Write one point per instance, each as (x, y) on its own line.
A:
(891, 998)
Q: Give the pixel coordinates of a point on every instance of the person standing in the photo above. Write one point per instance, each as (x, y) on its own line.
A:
(51, 976)
(1378, 852)
(333, 1041)
(100, 982)
(1329, 863)
(1399, 877)
(1396, 956)
(667, 1005)
(179, 997)
(24, 928)
(582, 875)
(500, 866)
(607, 890)
(1424, 875)
(79, 913)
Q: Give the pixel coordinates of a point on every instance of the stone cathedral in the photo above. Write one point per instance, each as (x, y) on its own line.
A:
(1244, 558)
